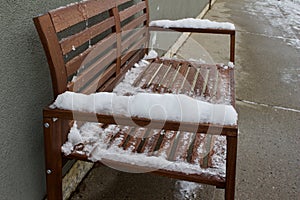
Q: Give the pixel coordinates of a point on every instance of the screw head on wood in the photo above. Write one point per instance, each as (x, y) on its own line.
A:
(49, 171)
(46, 125)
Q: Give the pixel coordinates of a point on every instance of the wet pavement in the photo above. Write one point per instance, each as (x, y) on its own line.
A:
(268, 93)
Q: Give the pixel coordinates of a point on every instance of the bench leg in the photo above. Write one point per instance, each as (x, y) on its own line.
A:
(230, 167)
(53, 158)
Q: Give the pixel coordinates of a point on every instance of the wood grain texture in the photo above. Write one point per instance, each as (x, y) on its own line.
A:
(106, 61)
(68, 16)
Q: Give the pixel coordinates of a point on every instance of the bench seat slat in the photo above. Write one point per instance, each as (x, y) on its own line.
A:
(182, 150)
(167, 84)
(151, 142)
(120, 138)
(129, 139)
(200, 82)
(198, 148)
(167, 143)
(135, 139)
(205, 178)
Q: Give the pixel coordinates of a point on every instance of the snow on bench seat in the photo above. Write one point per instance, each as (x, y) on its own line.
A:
(171, 107)
(153, 149)
(182, 152)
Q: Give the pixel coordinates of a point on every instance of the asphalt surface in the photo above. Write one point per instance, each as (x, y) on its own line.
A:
(268, 93)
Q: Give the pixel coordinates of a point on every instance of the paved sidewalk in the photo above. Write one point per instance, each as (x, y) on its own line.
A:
(268, 92)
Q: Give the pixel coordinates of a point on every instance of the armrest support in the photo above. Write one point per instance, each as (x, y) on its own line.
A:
(154, 26)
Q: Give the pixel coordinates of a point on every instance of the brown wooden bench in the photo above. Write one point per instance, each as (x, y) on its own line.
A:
(90, 46)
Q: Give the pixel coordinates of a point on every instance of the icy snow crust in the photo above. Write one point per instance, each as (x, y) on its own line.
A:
(172, 107)
(94, 137)
(193, 23)
(95, 146)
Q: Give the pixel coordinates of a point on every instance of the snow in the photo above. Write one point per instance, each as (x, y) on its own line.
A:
(230, 65)
(96, 146)
(92, 139)
(126, 87)
(283, 15)
(171, 107)
(151, 55)
(193, 23)
(187, 190)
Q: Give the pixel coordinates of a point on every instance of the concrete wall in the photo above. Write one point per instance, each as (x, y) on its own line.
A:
(26, 88)
(175, 9)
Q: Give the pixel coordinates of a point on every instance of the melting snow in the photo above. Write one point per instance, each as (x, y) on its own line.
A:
(154, 106)
(95, 146)
(283, 14)
(193, 23)
(173, 107)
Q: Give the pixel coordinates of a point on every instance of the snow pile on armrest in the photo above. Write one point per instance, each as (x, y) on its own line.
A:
(171, 107)
(193, 23)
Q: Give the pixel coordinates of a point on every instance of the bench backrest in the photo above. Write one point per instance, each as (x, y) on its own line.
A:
(91, 44)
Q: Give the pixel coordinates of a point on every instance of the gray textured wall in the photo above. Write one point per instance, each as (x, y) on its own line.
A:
(175, 9)
(26, 88)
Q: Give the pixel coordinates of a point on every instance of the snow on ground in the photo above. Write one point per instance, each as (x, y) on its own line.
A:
(282, 14)
(187, 190)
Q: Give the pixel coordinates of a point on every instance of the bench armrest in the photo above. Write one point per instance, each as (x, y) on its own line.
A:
(200, 26)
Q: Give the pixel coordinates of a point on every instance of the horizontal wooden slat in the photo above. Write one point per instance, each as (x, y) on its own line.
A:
(80, 38)
(142, 122)
(92, 70)
(132, 10)
(66, 17)
(135, 37)
(73, 65)
(120, 2)
(132, 51)
(194, 30)
(99, 81)
(110, 85)
(135, 23)
(205, 178)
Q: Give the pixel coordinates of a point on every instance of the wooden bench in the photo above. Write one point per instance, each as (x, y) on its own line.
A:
(90, 46)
